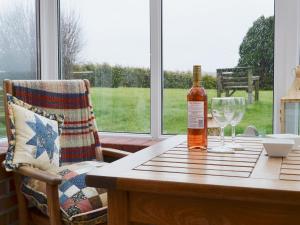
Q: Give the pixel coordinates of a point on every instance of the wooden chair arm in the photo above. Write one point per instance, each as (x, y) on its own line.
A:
(40, 175)
(114, 153)
(52, 181)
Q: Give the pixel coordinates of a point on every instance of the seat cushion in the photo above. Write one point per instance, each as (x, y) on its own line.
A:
(79, 204)
(34, 137)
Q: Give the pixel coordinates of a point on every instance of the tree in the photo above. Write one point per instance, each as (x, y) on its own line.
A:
(257, 50)
(71, 41)
(18, 39)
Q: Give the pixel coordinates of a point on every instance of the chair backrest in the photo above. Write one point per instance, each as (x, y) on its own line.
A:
(234, 77)
(79, 139)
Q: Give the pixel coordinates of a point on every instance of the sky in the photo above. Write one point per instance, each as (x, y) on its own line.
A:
(206, 32)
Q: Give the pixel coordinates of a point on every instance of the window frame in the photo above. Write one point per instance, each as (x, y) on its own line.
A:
(286, 55)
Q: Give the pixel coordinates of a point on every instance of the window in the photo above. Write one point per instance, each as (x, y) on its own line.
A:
(211, 33)
(174, 13)
(23, 63)
(18, 43)
(108, 43)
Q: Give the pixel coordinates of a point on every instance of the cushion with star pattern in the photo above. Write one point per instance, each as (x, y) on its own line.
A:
(34, 137)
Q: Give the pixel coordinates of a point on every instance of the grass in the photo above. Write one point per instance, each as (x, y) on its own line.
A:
(128, 110)
(122, 109)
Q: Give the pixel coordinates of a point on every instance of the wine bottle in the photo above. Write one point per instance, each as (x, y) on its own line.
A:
(197, 113)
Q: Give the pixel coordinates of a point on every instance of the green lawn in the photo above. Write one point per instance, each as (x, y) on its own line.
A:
(128, 110)
(122, 109)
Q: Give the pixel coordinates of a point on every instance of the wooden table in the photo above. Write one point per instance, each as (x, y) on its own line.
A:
(167, 185)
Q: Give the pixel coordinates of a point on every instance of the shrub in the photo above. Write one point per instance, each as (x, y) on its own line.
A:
(209, 82)
(177, 79)
(105, 75)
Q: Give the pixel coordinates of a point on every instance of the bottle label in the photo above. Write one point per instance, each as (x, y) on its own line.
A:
(196, 114)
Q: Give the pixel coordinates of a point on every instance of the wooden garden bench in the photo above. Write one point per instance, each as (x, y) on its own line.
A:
(230, 80)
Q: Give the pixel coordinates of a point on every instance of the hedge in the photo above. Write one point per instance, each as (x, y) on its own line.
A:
(104, 75)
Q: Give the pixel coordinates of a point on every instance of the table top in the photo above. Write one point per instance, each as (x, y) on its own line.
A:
(169, 167)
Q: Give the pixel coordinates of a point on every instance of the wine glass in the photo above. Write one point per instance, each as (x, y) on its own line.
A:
(239, 108)
(222, 112)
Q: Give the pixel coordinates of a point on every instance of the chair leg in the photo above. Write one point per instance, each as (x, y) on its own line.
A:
(250, 97)
(227, 93)
(53, 204)
(256, 90)
(219, 92)
(22, 203)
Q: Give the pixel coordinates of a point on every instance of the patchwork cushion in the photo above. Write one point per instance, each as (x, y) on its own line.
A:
(79, 204)
(34, 137)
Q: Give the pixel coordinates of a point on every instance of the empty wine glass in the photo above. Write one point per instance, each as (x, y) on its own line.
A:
(222, 112)
(239, 108)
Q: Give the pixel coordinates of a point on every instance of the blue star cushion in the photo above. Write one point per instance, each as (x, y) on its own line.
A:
(35, 136)
(44, 138)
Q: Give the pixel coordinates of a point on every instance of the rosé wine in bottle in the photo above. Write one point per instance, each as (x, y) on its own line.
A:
(197, 113)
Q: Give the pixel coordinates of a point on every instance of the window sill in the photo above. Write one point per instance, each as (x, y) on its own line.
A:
(126, 143)
(130, 142)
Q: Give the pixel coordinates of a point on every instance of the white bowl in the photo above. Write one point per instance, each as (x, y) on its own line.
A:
(278, 147)
(294, 137)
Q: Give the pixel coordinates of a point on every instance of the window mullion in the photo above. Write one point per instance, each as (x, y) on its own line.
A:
(156, 66)
(49, 39)
(38, 42)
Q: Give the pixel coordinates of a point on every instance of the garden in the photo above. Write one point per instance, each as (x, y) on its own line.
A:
(128, 110)
(121, 94)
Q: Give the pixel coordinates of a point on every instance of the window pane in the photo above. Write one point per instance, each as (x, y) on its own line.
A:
(18, 52)
(217, 34)
(108, 42)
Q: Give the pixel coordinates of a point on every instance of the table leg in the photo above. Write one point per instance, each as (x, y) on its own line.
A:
(118, 208)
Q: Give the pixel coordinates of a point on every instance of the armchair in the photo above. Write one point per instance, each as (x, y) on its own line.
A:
(52, 181)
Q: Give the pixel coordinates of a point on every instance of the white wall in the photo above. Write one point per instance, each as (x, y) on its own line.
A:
(286, 50)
